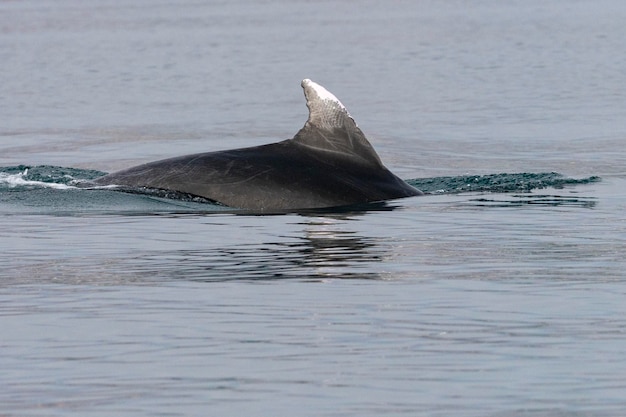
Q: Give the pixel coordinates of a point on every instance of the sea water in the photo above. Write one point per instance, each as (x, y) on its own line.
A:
(500, 292)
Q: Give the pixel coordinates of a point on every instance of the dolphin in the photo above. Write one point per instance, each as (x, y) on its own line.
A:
(328, 163)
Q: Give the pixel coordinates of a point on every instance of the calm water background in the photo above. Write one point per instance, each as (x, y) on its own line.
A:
(456, 304)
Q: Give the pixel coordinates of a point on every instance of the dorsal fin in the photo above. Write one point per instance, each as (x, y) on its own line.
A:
(331, 128)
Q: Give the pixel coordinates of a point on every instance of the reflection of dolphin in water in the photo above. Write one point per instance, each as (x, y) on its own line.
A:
(328, 163)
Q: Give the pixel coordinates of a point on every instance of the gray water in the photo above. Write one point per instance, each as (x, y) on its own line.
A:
(474, 303)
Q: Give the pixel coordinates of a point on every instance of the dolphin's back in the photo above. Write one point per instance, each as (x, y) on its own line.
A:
(328, 163)
(277, 176)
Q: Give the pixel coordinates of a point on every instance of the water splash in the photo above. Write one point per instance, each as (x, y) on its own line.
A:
(25, 177)
(20, 180)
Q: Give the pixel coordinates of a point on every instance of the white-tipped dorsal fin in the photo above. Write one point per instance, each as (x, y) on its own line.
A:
(331, 128)
(325, 110)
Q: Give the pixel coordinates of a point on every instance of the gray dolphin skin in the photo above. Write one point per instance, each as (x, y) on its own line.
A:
(329, 163)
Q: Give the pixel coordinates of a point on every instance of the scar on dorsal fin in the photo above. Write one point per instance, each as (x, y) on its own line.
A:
(331, 128)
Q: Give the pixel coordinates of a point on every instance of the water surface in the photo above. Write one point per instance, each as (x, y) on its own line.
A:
(499, 293)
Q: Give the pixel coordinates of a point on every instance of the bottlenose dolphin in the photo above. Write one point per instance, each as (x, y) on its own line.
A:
(328, 163)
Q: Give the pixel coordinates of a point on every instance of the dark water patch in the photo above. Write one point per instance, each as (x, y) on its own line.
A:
(520, 200)
(78, 202)
(313, 257)
(497, 183)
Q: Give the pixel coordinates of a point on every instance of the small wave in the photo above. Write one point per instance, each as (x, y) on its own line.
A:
(20, 180)
(25, 177)
(497, 183)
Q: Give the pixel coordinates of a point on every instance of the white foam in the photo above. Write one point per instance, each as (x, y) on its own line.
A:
(18, 180)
